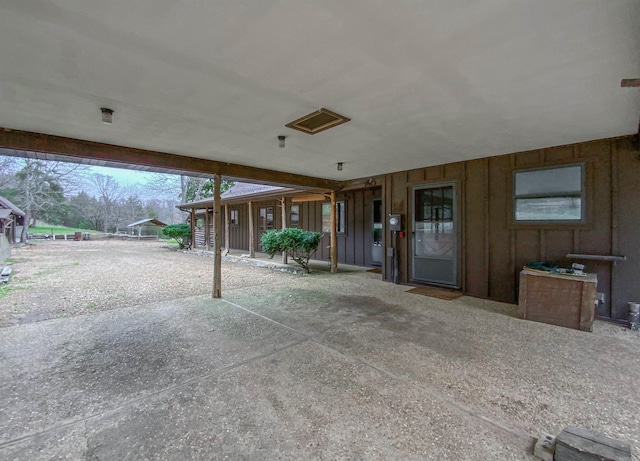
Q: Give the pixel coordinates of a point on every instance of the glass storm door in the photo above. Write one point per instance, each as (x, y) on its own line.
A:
(434, 235)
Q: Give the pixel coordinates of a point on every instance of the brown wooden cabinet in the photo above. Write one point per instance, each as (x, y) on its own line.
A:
(564, 300)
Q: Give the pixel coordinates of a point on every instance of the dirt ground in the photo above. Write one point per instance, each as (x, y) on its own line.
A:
(53, 279)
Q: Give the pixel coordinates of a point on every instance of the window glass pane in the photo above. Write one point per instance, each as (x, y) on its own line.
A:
(270, 218)
(295, 215)
(549, 181)
(549, 209)
(377, 211)
(434, 204)
(340, 216)
(423, 205)
(434, 239)
(266, 218)
(447, 203)
(377, 224)
(326, 217)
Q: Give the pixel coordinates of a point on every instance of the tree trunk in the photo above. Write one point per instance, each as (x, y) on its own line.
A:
(25, 226)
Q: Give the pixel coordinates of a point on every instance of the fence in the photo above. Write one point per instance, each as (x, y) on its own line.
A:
(91, 236)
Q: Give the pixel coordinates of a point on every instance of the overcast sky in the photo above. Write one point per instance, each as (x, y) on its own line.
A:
(123, 176)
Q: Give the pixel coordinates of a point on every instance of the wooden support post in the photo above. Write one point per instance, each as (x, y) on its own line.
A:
(226, 229)
(283, 202)
(207, 230)
(252, 245)
(217, 260)
(334, 234)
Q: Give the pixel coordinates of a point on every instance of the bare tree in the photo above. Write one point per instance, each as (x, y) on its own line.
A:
(163, 186)
(184, 188)
(108, 193)
(40, 186)
(8, 169)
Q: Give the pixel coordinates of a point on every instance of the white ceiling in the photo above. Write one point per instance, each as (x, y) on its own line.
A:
(424, 82)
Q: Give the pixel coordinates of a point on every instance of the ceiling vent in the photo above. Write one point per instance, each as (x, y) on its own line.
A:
(317, 121)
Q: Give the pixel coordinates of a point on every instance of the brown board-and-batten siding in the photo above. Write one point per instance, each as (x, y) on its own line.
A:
(238, 233)
(493, 247)
(355, 244)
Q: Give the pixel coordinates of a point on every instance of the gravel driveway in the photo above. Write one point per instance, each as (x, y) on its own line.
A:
(53, 279)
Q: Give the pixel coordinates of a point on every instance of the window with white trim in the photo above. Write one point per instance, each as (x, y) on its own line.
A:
(549, 195)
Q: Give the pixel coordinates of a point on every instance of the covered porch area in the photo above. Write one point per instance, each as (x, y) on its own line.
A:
(327, 366)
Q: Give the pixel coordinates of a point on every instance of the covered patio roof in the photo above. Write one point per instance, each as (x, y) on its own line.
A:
(147, 222)
(5, 204)
(240, 193)
(422, 83)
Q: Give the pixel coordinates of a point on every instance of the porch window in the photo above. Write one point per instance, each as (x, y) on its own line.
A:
(550, 194)
(294, 220)
(341, 216)
(266, 218)
(233, 217)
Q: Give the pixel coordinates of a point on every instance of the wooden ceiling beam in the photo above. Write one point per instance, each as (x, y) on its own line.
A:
(82, 149)
(630, 82)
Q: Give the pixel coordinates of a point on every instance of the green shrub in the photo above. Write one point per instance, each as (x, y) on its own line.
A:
(298, 244)
(181, 233)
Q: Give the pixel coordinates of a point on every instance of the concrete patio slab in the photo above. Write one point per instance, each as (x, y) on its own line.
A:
(319, 367)
(65, 369)
(306, 402)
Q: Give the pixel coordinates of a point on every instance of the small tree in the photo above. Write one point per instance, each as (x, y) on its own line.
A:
(181, 233)
(299, 244)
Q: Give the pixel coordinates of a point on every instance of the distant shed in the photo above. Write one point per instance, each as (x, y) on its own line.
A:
(146, 227)
(11, 220)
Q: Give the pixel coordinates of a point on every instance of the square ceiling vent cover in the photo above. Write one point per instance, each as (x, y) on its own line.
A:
(317, 121)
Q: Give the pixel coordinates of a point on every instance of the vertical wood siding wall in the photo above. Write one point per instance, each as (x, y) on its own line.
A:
(492, 249)
(354, 247)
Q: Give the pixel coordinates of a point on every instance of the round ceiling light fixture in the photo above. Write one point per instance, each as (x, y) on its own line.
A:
(281, 139)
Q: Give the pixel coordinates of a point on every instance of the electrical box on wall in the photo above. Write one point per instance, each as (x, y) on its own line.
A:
(395, 222)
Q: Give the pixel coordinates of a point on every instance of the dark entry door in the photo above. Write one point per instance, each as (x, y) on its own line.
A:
(434, 235)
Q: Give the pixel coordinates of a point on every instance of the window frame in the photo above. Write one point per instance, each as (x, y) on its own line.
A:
(341, 224)
(232, 221)
(550, 222)
(264, 224)
(291, 223)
